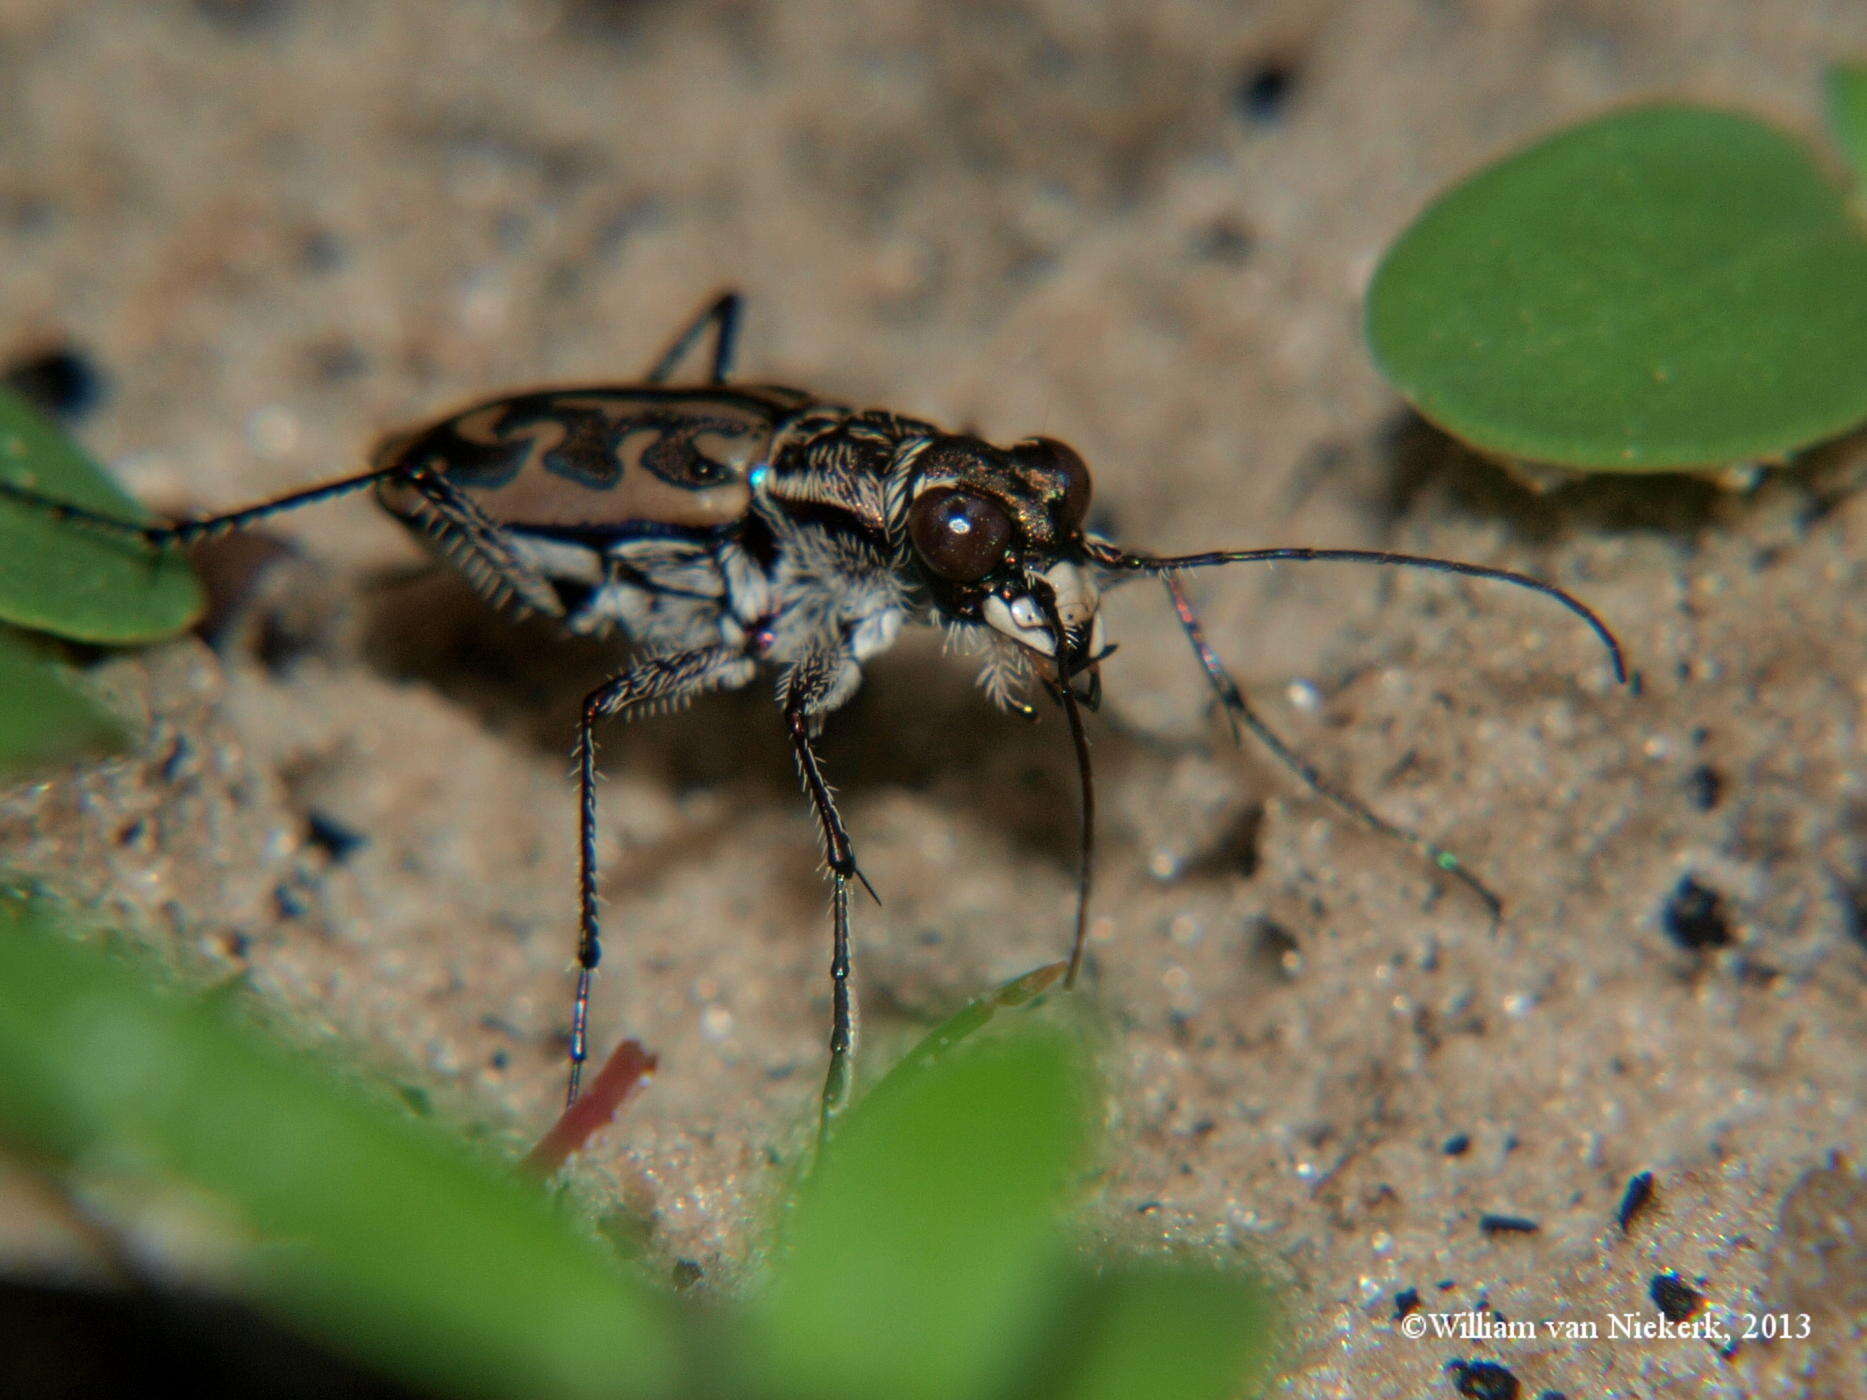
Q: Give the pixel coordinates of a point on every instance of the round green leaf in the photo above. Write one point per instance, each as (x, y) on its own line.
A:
(76, 581)
(45, 715)
(1665, 288)
(1847, 114)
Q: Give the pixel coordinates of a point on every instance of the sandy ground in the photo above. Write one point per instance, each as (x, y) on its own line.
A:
(278, 229)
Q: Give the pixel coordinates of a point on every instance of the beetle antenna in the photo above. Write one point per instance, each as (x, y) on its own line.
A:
(1238, 712)
(1111, 557)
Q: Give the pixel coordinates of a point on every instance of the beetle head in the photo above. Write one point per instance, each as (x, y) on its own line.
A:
(998, 535)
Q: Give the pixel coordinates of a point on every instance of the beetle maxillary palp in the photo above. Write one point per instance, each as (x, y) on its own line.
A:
(1073, 597)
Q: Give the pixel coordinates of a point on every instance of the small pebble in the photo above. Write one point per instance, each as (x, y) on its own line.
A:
(1634, 1199)
(1222, 241)
(1482, 1380)
(1676, 1299)
(1507, 1225)
(290, 903)
(1263, 92)
(1694, 918)
(1704, 787)
(331, 836)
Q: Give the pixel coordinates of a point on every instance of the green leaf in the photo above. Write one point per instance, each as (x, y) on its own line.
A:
(1186, 1330)
(975, 1015)
(59, 576)
(1847, 114)
(46, 716)
(924, 1249)
(379, 1234)
(1669, 287)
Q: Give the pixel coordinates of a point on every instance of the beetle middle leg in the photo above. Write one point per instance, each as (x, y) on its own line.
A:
(723, 315)
(462, 525)
(656, 683)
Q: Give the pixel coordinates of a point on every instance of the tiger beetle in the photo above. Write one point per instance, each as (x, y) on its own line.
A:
(729, 530)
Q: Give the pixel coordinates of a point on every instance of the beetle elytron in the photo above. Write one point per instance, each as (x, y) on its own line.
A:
(730, 530)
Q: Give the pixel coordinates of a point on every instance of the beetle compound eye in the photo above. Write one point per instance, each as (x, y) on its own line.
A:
(1060, 459)
(960, 534)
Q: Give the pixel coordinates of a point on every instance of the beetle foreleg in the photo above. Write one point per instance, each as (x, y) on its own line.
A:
(659, 682)
(810, 688)
(1066, 696)
(1063, 690)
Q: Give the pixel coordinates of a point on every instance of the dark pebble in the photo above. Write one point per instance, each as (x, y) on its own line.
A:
(1507, 1225)
(291, 904)
(1676, 1299)
(1693, 916)
(1634, 1199)
(1222, 241)
(1482, 1380)
(1705, 787)
(1263, 92)
(1852, 896)
(331, 836)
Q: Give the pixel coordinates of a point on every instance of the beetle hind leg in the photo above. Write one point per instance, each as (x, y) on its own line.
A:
(158, 535)
(722, 314)
(653, 684)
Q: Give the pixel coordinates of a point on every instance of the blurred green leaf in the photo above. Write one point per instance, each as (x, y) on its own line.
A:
(46, 716)
(926, 1254)
(1847, 114)
(924, 1248)
(1158, 1331)
(60, 577)
(975, 1015)
(386, 1239)
(1667, 287)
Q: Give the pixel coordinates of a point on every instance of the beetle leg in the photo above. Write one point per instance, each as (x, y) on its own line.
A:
(811, 689)
(656, 683)
(1063, 691)
(1231, 699)
(1071, 703)
(490, 561)
(185, 532)
(722, 313)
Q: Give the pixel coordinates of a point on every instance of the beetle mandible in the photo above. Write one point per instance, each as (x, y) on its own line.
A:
(731, 530)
